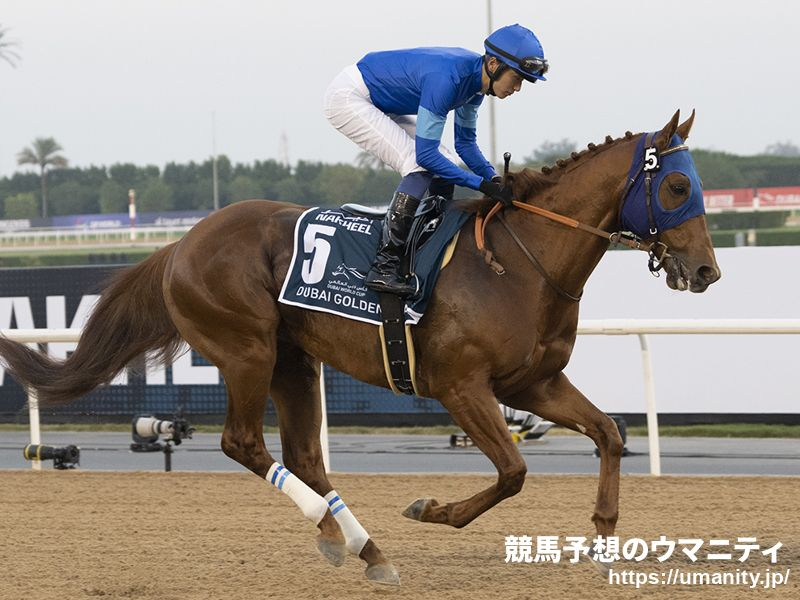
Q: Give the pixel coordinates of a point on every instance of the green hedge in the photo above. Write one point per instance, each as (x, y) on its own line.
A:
(723, 239)
(754, 220)
(778, 237)
(785, 236)
(73, 259)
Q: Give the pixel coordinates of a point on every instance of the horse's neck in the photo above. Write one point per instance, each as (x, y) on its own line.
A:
(588, 193)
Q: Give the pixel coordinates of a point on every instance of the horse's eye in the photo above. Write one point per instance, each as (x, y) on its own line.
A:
(678, 189)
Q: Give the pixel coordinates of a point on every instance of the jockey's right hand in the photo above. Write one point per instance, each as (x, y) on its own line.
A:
(497, 192)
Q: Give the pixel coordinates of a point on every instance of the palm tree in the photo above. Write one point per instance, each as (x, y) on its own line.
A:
(43, 154)
(7, 52)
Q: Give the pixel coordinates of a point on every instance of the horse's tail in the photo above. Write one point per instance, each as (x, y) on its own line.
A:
(129, 321)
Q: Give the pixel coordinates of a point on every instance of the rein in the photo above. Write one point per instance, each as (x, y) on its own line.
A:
(617, 237)
(655, 262)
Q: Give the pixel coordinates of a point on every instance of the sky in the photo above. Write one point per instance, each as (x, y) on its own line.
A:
(142, 82)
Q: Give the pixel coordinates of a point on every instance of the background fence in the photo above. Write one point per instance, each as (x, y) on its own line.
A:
(58, 298)
(62, 297)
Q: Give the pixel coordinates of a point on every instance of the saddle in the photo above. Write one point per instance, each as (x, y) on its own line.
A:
(427, 219)
(396, 339)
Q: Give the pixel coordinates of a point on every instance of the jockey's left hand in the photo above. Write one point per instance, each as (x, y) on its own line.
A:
(497, 192)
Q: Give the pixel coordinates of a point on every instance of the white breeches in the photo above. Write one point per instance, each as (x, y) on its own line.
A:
(390, 138)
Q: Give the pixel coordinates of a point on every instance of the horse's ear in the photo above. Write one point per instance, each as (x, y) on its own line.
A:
(665, 135)
(685, 127)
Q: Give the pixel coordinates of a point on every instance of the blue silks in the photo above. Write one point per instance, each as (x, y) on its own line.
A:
(634, 215)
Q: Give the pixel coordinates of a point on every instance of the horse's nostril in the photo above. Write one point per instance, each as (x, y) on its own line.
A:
(707, 274)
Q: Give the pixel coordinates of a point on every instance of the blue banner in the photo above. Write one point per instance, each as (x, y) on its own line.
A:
(183, 218)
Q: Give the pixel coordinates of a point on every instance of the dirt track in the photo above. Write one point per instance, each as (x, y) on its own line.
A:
(179, 536)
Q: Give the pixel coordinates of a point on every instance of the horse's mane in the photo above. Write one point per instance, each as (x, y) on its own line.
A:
(528, 182)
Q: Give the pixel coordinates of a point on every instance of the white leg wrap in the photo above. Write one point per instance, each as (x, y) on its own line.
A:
(355, 535)
(311, 503)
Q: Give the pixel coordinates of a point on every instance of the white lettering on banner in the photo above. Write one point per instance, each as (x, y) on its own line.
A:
(185, 373)
(354, 224)
(155, 374)
(57, 319)
(177, 221)
(20, 308)
(719, 200)
(105, 224)
(13, 224)
(356, 303)
(313, 293)
(780, 199)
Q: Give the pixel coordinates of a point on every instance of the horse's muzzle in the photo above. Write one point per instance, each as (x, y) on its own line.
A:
(703, 277)
(682, 277)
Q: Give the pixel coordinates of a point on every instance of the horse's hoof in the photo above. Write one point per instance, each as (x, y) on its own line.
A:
(417, 508)
(333, 551)
(603, 568)
(383, 574)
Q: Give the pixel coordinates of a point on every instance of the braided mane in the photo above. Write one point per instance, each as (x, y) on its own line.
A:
(529, 182)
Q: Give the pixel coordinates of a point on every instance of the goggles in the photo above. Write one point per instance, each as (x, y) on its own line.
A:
(533, 65)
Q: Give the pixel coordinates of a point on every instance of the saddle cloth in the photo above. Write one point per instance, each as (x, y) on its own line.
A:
(333, 251)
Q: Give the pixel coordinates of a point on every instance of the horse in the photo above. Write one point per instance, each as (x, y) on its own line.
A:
(483, 338)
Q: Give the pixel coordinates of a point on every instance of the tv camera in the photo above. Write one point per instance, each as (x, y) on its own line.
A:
(146, 430)
(66, 457)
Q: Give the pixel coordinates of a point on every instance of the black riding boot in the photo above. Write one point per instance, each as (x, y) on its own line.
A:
(384, 276)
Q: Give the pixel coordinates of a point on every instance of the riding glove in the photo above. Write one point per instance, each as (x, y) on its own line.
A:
(497, 192)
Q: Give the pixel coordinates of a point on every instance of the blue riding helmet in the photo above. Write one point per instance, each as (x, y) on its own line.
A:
(634, 215)
(520, 49)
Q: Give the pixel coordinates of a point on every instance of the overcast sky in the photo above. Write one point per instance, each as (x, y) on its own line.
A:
(124, 81)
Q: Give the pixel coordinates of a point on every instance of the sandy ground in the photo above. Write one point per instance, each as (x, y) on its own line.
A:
(177, 536)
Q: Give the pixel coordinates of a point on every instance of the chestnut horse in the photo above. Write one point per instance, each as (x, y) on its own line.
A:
(483, 338)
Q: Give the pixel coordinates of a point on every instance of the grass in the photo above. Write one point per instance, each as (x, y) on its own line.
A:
(728, 430)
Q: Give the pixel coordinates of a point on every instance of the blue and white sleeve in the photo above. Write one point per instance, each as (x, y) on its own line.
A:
(436, 97)
(466, 140)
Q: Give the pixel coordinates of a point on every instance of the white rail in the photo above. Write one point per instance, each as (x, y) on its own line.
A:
(643, 327)
(43, 336)
(638, 327)
(119, 237)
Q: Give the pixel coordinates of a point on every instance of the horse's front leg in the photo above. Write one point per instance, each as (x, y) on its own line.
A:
(559, 401)
(474, 408)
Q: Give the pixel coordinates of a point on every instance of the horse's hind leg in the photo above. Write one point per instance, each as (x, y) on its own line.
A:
(243, 437)
(243, 345)
(296, 394)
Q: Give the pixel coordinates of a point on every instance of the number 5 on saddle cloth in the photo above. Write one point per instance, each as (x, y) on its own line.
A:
(333, 251)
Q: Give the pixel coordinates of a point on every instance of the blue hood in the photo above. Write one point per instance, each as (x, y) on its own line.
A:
(634, 210)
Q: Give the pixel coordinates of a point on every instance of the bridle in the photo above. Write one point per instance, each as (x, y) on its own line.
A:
(650, 162)
(657, 250)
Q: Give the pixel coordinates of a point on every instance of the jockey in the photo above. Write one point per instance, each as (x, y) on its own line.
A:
(394, 104)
